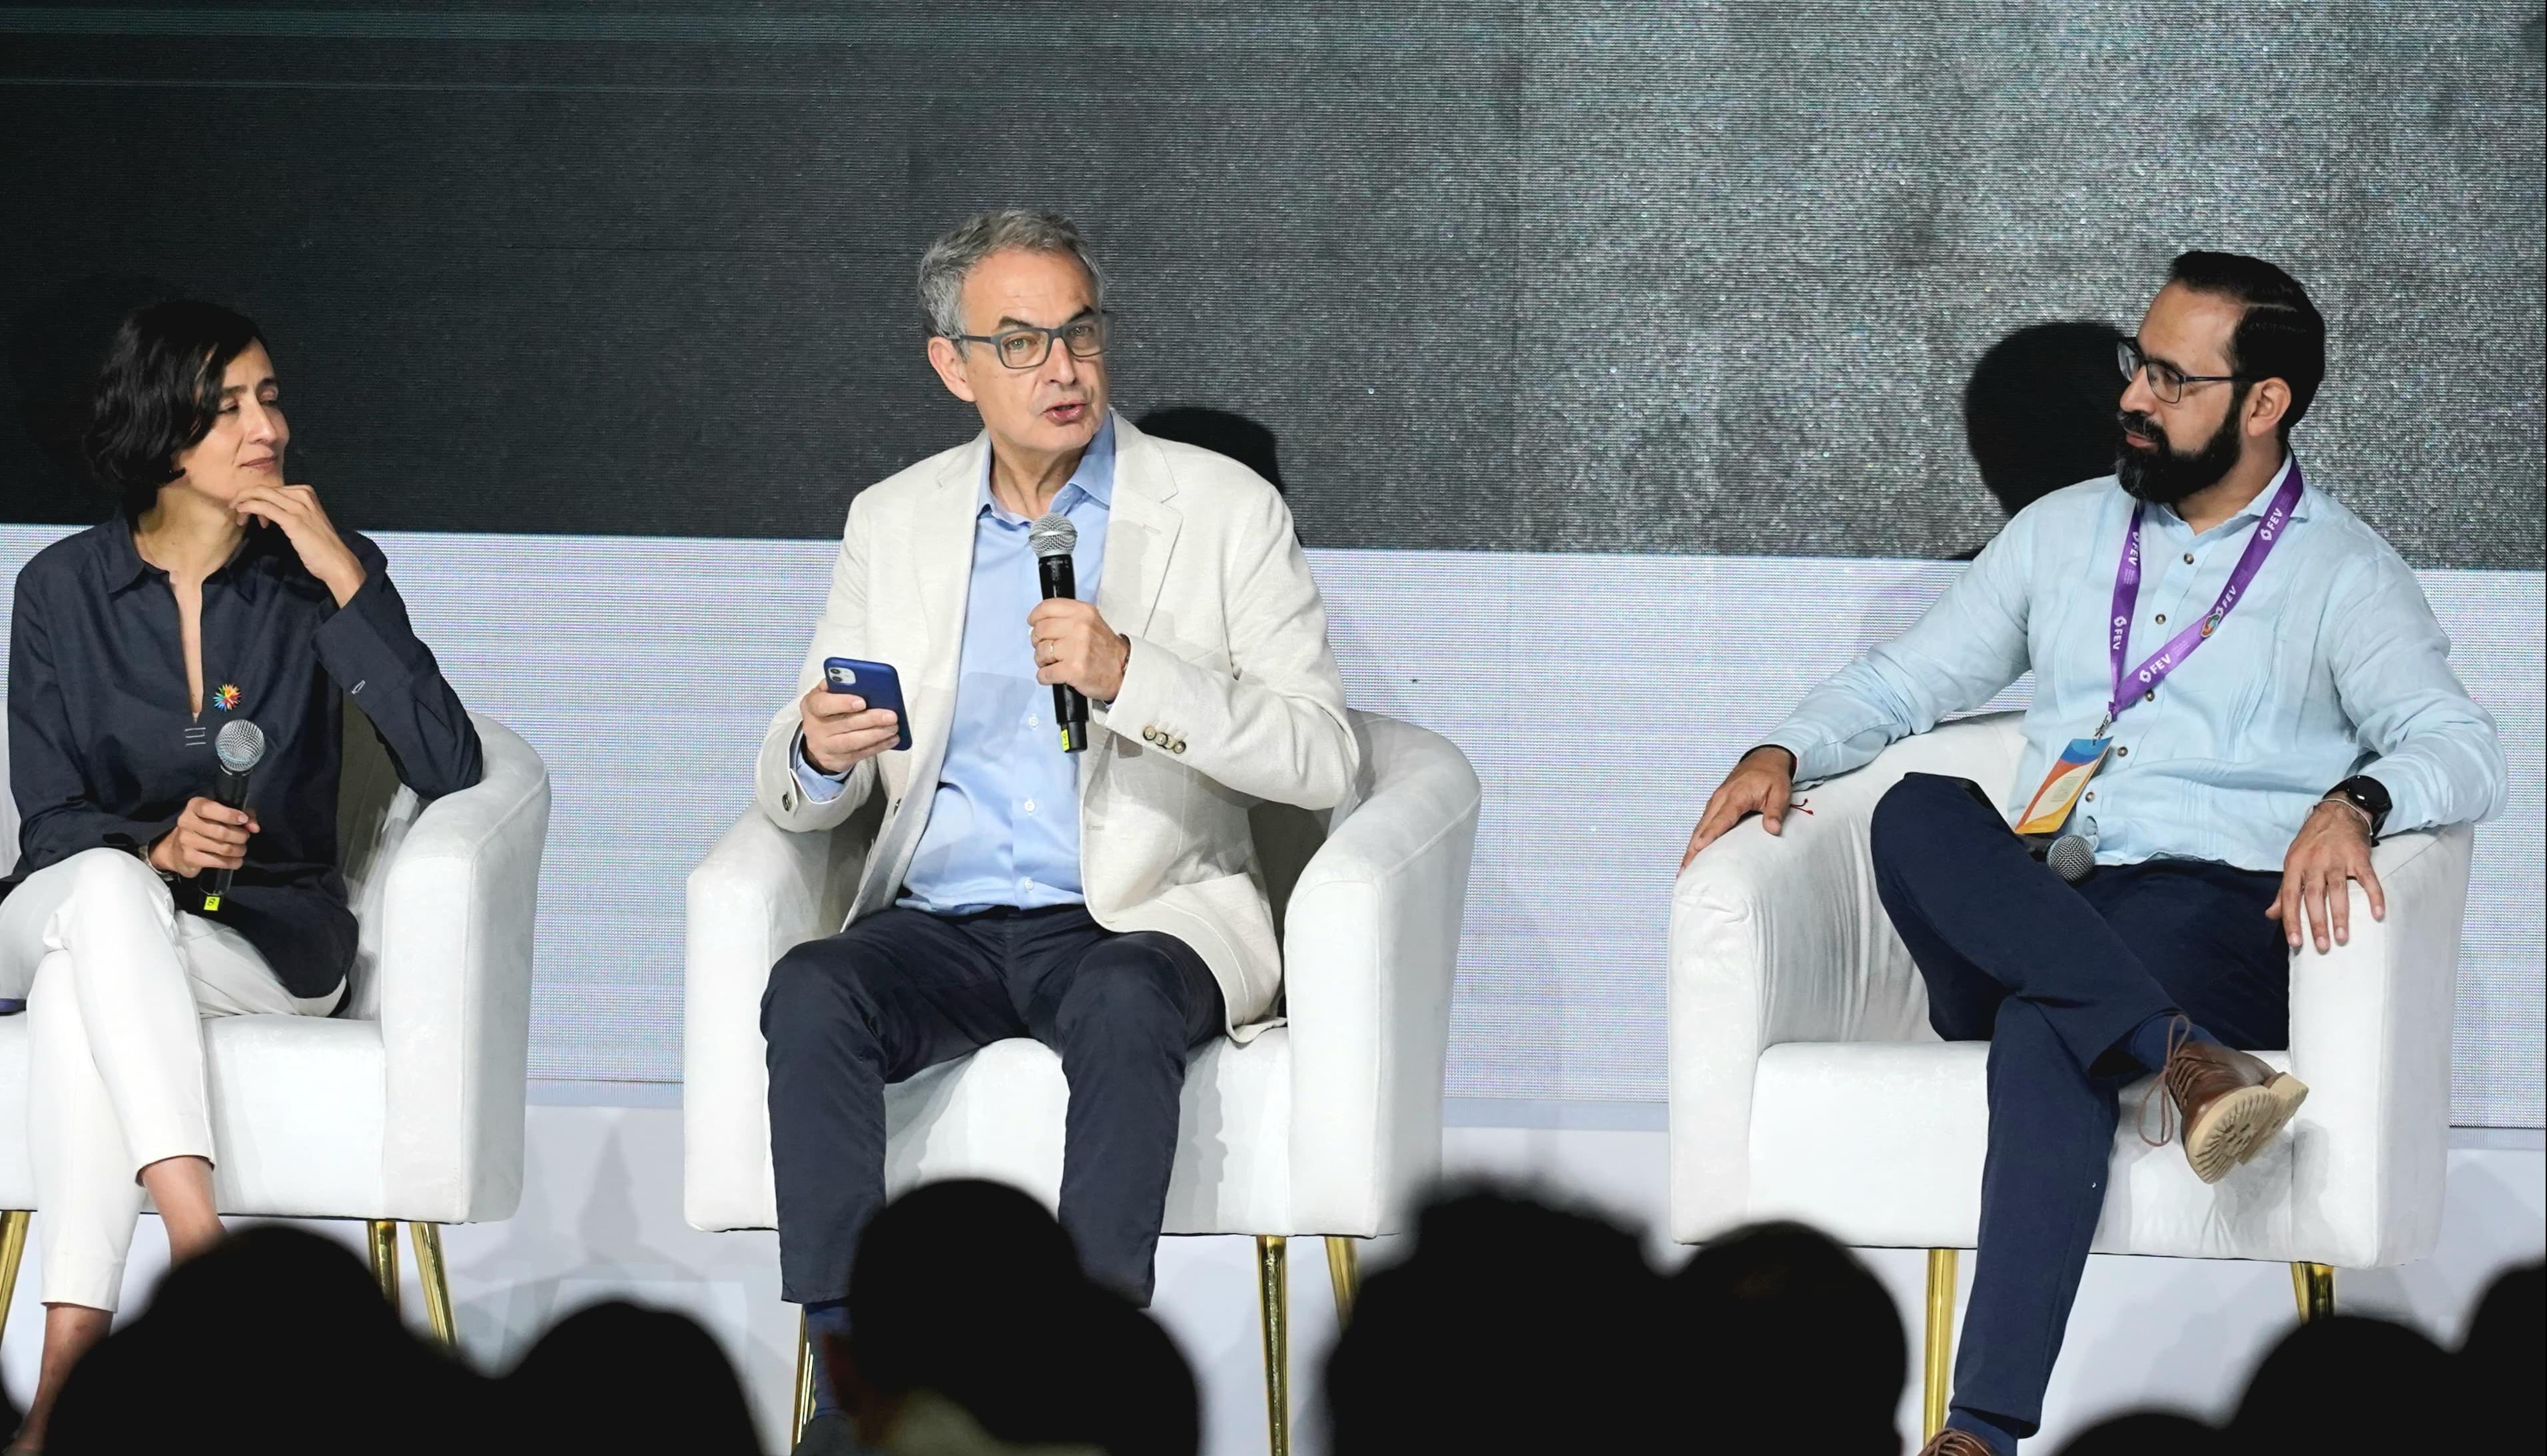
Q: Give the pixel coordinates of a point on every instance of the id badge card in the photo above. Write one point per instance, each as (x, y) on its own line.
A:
(2052, 802)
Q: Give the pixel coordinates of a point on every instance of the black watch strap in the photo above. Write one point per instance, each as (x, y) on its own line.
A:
(2368, 795)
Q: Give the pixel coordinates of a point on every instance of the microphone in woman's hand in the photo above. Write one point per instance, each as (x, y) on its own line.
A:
(240, 746)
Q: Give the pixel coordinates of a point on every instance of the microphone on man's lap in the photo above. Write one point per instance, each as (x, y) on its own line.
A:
(2072, 857)
(1054, 539)
(2069, 855)
(240, 746)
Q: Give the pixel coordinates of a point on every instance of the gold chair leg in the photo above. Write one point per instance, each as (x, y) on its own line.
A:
(383, 1252)
(12, 1251)
(1938, 1357)
(804, 1382)
(1343, 1270)
(1272, 1292)
(2315, 1286)
(430, 1273)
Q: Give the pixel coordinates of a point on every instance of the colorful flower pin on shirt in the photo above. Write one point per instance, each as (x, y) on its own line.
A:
(226, 698)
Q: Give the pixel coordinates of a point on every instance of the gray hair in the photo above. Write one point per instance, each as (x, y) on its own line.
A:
(943, 268)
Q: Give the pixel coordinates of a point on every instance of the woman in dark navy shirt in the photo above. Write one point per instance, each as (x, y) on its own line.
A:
(220, 592)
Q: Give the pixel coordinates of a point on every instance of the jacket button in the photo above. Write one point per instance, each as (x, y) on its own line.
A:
(1150, 734)
(787, 800)
(1179, 746)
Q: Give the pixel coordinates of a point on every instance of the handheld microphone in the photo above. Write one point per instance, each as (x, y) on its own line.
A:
(2072, 857)
(240, 746)
(1053, 539)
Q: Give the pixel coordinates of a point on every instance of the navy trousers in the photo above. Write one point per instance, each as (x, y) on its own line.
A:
(2055, 976)
(902, 991)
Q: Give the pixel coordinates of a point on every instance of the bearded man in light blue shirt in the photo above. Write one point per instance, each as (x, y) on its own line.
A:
(2238, 686)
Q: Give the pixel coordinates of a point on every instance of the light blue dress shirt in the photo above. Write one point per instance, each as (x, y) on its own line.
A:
(2330, 665)
(1004, 822)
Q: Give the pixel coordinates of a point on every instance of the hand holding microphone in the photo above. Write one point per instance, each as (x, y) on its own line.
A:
(1076, 652)
(208, 836)
(211, 837)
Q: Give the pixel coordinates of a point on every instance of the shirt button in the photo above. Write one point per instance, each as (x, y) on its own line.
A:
(2162, 618)
(2091, 796)
(1030, 720)
(2122, 752)
(1029, 806)
(2188, 559)
(2150, 696)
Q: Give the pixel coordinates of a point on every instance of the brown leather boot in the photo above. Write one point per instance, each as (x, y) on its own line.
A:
(1953, 1442)
(2229, 1103)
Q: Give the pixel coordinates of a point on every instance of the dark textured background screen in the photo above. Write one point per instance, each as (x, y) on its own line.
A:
(1562, 276)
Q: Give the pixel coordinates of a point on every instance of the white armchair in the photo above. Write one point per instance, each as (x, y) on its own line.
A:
(1805, 1084)
(406, 1104)
(1330, 1125)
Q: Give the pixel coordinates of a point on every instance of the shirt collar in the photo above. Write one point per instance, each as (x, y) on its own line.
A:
(122, 565)
(1093, 479)
(2253, 510)
(119, 560)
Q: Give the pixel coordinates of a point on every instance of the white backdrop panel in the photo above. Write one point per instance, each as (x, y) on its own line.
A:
(643, 669)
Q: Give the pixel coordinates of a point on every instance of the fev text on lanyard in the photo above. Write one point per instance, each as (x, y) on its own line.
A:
(2145, 678)
(2049, 809)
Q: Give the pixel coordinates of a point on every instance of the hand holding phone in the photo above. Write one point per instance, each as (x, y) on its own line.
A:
(854, 714)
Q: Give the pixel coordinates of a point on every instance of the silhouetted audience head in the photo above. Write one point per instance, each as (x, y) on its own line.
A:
(2149, 1434)
(2500, 1361)
(275, 1341)
(2038, 411)
(1221, 432)
(970, 1292)
(2345, 1383)
(616, 1376)
(1800, 1340)
(1512, 1326)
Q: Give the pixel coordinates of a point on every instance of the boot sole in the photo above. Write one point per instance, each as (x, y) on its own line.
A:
(2237, 1127)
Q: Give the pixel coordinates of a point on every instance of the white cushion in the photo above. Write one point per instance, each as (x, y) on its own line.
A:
(1880, 1143)
(297, 1115)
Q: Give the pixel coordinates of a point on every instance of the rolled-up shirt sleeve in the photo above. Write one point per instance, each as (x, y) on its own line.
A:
(2429, 744)
(371, 650)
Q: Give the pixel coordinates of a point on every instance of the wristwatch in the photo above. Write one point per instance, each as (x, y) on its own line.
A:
(2367, 795)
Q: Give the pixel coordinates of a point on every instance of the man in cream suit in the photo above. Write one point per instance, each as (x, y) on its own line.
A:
(1104, 902)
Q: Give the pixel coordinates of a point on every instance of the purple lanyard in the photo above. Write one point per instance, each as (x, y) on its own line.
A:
(2126, 596)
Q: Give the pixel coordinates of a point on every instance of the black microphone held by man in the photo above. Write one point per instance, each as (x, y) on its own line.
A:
(1054, 539)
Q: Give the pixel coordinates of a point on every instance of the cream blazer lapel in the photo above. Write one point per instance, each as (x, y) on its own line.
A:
(1141, 532)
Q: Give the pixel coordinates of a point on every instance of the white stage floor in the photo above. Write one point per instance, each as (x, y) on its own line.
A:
(601, 1218)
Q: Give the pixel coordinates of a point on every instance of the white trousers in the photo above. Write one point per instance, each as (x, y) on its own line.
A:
(117, 982)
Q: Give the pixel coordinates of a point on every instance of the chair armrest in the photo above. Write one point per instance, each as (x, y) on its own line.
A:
(1371, 944)
(2370, 1035)
(760, 892)
(1782, 938)
(459, 907)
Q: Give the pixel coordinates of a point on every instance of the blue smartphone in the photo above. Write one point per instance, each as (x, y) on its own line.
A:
(878, 684)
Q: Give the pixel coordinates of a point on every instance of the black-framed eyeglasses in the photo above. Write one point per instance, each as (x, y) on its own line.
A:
(1025, 346)
(2167, 381)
